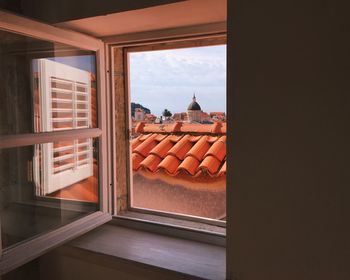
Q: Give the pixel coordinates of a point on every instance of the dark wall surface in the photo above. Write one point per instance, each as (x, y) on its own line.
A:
(64, 10)
(289, 112)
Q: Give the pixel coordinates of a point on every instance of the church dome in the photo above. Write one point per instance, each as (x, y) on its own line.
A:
(194, 106)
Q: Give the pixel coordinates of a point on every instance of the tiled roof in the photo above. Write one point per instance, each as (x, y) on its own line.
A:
(176, 148)
(180, 127)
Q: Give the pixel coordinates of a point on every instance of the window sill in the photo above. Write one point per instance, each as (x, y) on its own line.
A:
(175, 227)
(157, 251)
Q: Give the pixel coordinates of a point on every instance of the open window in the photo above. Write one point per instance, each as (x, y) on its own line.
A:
(55, 157)
(53, 138)
(176, 151)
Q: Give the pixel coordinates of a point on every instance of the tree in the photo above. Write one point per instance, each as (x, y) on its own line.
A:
(167, 113)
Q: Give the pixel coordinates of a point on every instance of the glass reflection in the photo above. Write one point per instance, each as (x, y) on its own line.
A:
(45, 186)
(45, 86)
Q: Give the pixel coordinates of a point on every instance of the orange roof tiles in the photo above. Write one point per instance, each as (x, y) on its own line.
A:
(180, 127)
(173, 152)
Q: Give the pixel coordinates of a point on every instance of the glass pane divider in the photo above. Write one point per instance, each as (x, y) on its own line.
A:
(19, 140)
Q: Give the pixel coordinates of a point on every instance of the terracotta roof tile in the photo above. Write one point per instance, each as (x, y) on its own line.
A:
(193, 153)
(170, 164)
(212, 139)
(200, 148)
(181, 148)
(162, 148)
(218, 150)
(160, 137)
(139, 127)
(194, 139)
(216, 128)
(179, 127)
(210, 164)
(136, 160)
(151, 162)
(190, 165)
(222, 170)
(135, 142)
(147, 145)
(175, 138)
(143, 137)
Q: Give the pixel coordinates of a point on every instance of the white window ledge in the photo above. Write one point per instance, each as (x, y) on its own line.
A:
(189, 258)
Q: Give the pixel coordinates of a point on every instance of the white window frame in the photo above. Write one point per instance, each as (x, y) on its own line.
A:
(11, 258)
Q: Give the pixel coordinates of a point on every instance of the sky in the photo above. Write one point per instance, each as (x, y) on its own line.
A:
(169, 78)
(84, 62)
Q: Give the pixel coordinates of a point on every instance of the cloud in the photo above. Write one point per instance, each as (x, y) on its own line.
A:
(168, 78)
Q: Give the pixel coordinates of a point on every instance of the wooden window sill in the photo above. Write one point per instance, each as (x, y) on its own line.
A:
(190, 258)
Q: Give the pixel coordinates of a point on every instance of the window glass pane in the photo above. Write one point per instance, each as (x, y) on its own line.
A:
(45, 86)
(178, 144)
(45, 186)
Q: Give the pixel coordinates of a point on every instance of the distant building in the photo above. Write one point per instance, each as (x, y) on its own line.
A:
(180, 117)
(159, 120)
(139, 115)
(194, 111)
(218, 116)
(150, 118)
(195, 114)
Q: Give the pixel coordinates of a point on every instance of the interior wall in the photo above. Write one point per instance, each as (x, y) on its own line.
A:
(57, 11)
(29, 271)
(288, 99)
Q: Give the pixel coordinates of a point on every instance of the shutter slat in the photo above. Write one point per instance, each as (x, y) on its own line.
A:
(62, 149)
(60, 158)
(63, 167)
(62, 119)
(59, 110)
(61, 100)
(62, 90)
(54, 119)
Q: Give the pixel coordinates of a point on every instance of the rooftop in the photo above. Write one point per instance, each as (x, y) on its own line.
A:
(179, 127)
(192, 149)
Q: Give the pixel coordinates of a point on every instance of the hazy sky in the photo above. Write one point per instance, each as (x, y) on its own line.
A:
(168, 79)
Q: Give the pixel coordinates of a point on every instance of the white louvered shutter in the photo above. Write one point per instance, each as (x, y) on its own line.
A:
(65, 104)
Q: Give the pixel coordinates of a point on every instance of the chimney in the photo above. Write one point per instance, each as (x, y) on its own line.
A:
(216, 127)
(176, 127)
(139, 127)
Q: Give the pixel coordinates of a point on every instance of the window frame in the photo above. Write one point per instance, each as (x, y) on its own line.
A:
(13, 257)
(204, 35)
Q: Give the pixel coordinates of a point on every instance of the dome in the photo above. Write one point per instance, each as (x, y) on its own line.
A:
(194, 106)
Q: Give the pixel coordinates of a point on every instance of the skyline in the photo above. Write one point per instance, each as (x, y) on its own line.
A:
(179, 73)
